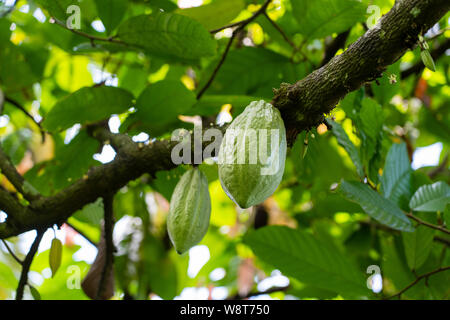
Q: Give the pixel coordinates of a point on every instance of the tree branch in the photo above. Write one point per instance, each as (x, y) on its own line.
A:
(27, 264)
(426, 275)
(10, 172)
(109, 248)
(427, 224)
(21, 108)
(12, 252)
(304, 103)
(302, 107)
(245, 21)
(242, 24)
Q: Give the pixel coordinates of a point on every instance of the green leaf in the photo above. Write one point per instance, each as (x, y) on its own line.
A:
(371, 116)
(111, 12)
(91, 213)
(87, 105)
(163, 101)
(55, 256)
(247, 71)
(417, 245)
(320, 18)
(35, 294)
(381, 209)
(396, 181)
(7, 278)
(214, 15)
(300, 255)
(427, 60)
(432, 198)
(345, 142)
(168, 35)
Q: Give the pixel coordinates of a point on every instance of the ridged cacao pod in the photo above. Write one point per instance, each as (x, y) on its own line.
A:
(190, 210)
(252, 155)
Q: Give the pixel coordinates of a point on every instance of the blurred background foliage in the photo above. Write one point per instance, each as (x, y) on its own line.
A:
(146, 84)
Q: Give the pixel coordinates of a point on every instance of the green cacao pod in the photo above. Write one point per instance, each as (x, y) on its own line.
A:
(252, 154)
(190, 210)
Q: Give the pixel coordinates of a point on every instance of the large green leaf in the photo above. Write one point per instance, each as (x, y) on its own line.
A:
(417, 245)
(87, 105)
(381, 209)
(433, 197)
(300, 255)
(168, 35)
(214, 15)
(320, 18)
(345, 142)
(163, 101)
(111, 12)
(247, 71)
(396, 180)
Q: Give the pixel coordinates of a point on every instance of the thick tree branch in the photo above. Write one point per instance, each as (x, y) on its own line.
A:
(304, 103)
(302, 106)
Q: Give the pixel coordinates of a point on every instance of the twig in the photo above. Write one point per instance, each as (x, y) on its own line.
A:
(81, 233)
(440, 33)
(442, 240)
(441, 168)
(426, 275)
(12, 252)
(241, 25)
(245, 21)
(89, 36)
(219, 65)
(109, 260)
(21, 108)
(283, 34)
(419, 66)
(429, 225)
(27, 264)
(253, 294)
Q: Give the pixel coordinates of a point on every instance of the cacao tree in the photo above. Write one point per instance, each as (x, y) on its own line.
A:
(151, 147)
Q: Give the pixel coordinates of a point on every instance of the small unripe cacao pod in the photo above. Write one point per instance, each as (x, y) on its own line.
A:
(190, 210)
(252, 155)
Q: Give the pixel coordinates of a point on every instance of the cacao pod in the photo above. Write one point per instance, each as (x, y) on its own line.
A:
(190, 210)
(258, 133)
